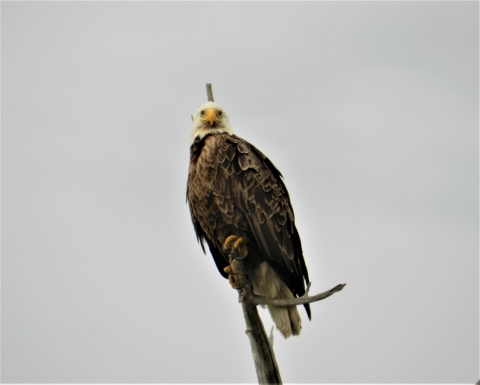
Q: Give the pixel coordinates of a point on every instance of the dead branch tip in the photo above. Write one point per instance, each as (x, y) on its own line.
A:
(210, 92)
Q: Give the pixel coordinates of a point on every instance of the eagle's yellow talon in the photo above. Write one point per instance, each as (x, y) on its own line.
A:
(238, 242)
(228, 242)
(235, 246)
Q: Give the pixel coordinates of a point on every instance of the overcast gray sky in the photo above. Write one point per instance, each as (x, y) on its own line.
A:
(369, 109)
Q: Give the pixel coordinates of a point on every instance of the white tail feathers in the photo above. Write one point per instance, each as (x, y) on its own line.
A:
(267, 284)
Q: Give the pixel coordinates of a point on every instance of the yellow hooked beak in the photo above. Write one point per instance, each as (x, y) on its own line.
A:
(211, 116)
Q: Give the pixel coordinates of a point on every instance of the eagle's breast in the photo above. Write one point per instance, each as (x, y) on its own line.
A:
(214, 187)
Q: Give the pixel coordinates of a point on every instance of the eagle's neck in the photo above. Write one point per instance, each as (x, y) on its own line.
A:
(202, 132)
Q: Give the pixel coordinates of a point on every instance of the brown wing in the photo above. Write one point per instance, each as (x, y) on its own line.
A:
(269, 212)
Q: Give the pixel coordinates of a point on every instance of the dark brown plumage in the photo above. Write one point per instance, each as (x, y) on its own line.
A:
(235, 189)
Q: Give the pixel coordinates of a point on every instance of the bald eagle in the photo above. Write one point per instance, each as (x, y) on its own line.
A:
(234, 190)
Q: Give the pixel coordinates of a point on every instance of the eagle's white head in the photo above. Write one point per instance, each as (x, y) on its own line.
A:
(210, 119)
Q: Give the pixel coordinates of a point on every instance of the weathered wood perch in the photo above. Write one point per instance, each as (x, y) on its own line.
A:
(262, 350)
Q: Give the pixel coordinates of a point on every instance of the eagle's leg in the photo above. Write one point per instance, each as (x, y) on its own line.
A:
(235, 248)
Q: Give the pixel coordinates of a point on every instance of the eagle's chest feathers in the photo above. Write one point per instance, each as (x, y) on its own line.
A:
(212, 190)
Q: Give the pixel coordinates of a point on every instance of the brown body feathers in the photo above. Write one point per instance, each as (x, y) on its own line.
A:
(234, 189)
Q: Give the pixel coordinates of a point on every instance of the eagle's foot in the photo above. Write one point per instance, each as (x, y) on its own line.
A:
(235, 247)
(236, 280)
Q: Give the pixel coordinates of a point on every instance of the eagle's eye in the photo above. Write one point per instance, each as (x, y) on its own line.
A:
(219, 113)
(202, 113)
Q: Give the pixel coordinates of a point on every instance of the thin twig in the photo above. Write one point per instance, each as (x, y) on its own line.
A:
(270, 337)
(210, 92)
(307, 289)
(258, 300)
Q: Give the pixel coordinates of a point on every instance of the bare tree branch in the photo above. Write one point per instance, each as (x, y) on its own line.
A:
(262, 347)
(262, 350)
(210, 92)
(258, 300)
